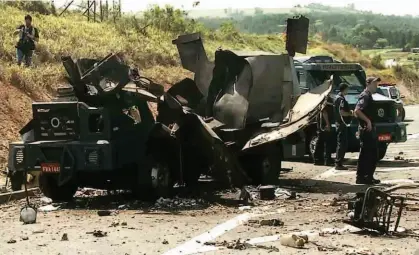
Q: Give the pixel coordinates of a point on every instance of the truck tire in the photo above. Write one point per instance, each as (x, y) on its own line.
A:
(263, 169)
(403, 114)
(48, 183)
(16, 180)
(312, 145)
(382, 150)
(161, 180)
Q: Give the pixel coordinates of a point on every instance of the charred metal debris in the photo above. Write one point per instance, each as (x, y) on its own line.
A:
(376, 210)
(236, 121)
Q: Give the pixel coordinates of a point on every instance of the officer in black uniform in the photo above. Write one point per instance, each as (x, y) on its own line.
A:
(364, 111)
(343, 117)
(322, 150)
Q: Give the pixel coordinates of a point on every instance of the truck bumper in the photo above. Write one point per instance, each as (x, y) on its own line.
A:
(69, 157)
(386, 132)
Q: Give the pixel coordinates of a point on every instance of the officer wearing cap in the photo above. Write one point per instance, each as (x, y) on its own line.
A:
(343, 117)
(364, 111)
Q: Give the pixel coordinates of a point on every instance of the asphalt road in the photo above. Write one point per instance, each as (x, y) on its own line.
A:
(136, 229)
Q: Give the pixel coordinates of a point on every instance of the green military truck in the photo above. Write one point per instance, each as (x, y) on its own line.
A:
(312, 71)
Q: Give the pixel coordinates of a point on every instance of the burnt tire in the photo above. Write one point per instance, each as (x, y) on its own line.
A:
(16, 180)
(312, 145)
(161, 180)
(48, 183)
(263, 169)
(381, 151)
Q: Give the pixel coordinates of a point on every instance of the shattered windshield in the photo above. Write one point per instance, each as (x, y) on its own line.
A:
(352, 78)
(383, 92)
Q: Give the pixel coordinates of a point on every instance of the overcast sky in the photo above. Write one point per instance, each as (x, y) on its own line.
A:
(397, 7)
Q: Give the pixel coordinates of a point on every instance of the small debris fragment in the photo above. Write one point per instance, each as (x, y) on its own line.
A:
(64, 237)
(165, 241)
(25, 238)
(98, 233)
(46, 200)
(38, 231)
(271, 222)
(122, 207)
(48, 208)
(104, 213)
(245, 208)
(124, 224)
(11, 241)
(267, 222)
(292, 241)
(114, 224)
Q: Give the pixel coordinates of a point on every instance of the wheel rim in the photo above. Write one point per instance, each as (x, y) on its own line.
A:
(266, 166)
(160, 177)
(313, 145)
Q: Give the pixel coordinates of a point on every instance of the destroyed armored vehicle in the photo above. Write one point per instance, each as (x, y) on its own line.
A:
(236, 120)
(312, 71)
(99, 133)
(250, 101)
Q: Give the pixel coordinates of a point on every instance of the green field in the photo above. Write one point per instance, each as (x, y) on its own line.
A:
(404, 58)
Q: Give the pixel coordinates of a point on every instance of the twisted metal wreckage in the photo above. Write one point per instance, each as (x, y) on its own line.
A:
(237, 119)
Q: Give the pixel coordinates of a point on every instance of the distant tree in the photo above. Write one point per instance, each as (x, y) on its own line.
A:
(258, 11)
(381, 43)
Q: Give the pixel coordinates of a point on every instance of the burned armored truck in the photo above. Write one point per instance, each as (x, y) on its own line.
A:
(249, 100)
(236, 120)
(106, 138)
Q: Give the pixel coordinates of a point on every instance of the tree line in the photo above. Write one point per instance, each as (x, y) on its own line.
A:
(360, 29)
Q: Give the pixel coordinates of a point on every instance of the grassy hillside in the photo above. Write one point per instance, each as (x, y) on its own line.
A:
(150, 49)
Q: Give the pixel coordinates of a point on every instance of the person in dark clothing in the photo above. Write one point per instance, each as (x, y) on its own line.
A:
(28, 35)
(342, 114)
(322, 150)
(368, 157)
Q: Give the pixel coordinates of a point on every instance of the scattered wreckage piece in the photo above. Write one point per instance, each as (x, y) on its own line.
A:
(376, 210)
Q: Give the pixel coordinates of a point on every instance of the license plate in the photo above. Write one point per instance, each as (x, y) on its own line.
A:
(50, 167)
(384, 137)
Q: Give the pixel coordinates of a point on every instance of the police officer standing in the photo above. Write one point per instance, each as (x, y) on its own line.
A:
(322, 150)
(343, 117)
(364, 111)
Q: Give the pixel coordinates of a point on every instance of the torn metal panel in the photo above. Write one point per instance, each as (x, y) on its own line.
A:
(300, 116)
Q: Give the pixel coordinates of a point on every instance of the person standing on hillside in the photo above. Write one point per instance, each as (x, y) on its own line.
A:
(368, 156)
(28, 35)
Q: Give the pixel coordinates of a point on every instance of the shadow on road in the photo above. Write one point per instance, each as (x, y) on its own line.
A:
(323, 186)
(386, 163)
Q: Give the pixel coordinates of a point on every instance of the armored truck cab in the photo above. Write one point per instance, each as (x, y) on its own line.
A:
(313, 71)
(97, 133)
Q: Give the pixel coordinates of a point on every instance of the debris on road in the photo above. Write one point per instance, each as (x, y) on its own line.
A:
(238, 245)
(48, 208)
(98, 233)
(45, 200)
(11, 241)
(177, 202)
(25, 238)
(292, 241)
(104, 213)
(64, 237)
(267, 192)
(165, 241)
(268, 222)
(245, 208)
(28, 215)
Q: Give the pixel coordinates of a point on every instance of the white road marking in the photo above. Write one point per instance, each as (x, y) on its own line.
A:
(333, 172)
(195, 244)
(413, 136)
